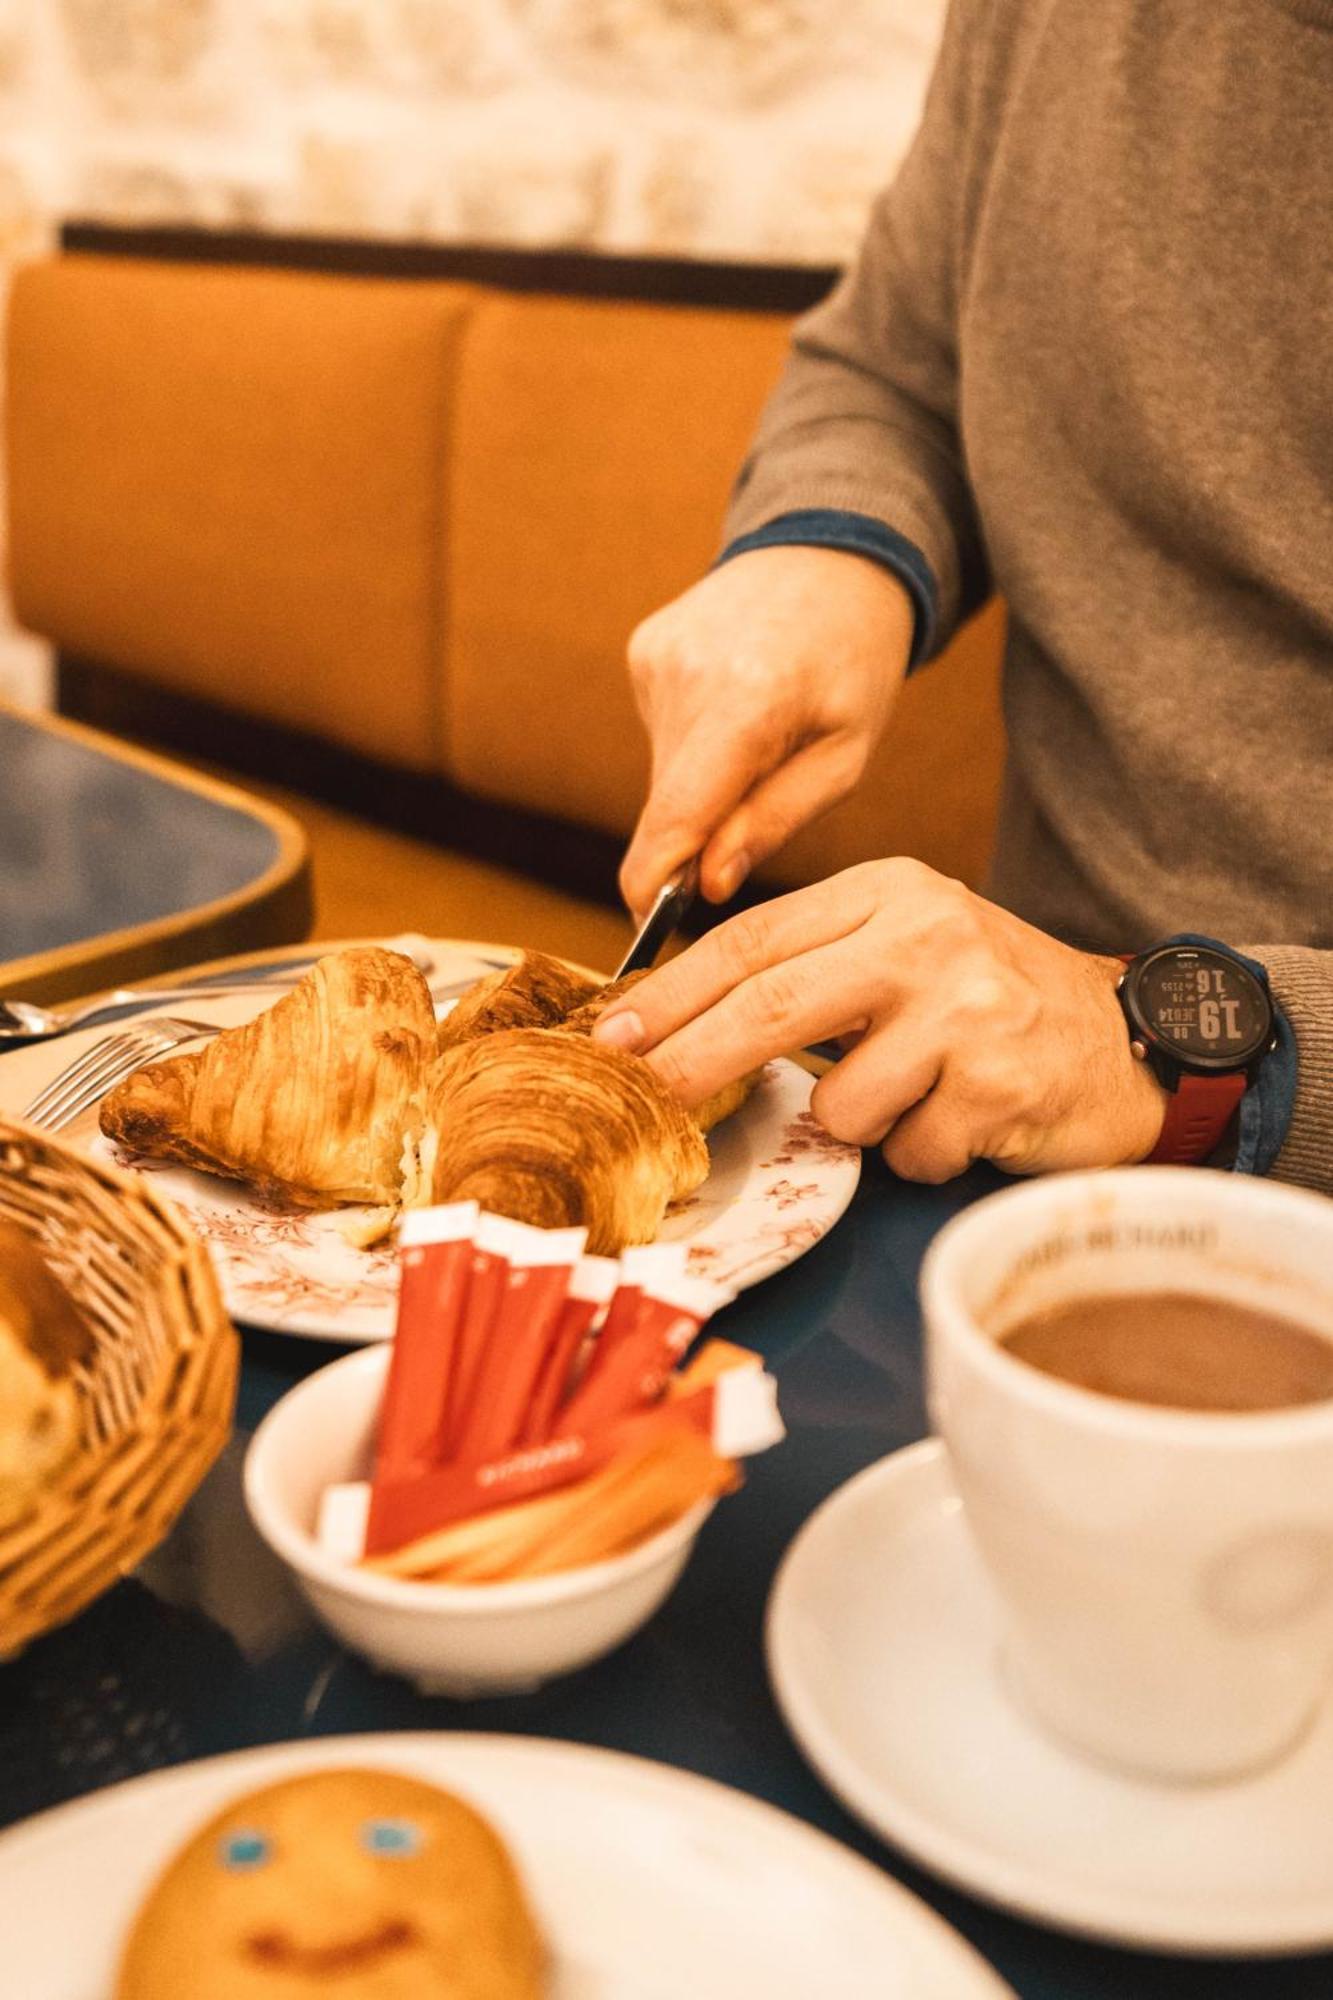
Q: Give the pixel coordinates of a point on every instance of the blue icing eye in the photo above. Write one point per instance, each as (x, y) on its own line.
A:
(246, 1849)
(391, 1836)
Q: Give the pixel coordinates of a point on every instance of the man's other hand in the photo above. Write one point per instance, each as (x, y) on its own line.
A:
(969, 1035)
(764, 690)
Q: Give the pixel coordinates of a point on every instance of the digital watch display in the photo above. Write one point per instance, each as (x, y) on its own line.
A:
(1200, 1006)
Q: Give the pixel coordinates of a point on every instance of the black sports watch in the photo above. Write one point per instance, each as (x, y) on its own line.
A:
(1202, 1019)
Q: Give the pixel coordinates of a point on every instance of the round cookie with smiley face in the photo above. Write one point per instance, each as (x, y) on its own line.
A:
(342, 1884)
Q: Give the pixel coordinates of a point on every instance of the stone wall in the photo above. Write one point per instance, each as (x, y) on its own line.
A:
(751, 129)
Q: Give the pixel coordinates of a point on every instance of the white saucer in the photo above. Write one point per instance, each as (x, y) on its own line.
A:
(883, 1651)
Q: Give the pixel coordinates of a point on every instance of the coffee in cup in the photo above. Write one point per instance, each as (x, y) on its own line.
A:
(1178, 1351)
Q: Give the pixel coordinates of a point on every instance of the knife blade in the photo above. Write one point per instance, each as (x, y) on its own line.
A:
(672, 901)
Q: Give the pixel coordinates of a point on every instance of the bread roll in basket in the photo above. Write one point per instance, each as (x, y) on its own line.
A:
(153, 1389)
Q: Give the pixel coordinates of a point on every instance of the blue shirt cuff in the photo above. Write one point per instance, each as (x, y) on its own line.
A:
(859, 535)
(1266, 1108)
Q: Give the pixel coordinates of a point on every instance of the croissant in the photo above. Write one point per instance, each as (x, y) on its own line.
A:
(316, 1099)
(44, 1343)
(581, 1020)
(713, 1109)
(550, 1128)
(538, 992)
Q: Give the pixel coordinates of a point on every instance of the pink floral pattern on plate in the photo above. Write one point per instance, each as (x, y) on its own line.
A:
(294, 1272)
(285, 1268)
(778, 1184)
(749, 1218)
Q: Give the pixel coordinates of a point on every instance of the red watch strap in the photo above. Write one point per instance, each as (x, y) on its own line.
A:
(1197, 1116)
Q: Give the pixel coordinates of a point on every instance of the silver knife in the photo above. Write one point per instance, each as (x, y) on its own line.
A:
(673, 899)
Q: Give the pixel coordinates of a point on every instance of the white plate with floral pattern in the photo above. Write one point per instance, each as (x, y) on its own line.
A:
(777, 1185)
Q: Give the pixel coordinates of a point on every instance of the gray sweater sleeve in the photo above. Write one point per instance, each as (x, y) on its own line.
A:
(865, 416)
(1302, 983)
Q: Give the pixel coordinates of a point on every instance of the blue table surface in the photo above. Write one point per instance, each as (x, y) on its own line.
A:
(207, 1648)
(92, 843)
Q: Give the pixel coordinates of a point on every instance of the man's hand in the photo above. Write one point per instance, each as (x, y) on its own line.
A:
(764, 690)
(972, 1036)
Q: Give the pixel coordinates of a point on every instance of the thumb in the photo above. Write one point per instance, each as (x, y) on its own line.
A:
(693, 795)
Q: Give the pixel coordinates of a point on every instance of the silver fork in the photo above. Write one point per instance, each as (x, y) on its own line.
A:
(95, 1072)
(101, 1067)
(24, 1021)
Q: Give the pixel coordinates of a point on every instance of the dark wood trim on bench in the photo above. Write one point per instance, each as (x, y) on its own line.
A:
(585, 274)
(428, 807)
(580, 860)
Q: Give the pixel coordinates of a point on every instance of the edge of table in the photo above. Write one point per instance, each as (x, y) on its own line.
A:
(273, 910)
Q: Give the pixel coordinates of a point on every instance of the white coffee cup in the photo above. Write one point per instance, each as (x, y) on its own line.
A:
(1166, 1575)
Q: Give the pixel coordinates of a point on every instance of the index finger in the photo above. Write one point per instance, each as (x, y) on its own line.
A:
(813, 997)
(686, 987)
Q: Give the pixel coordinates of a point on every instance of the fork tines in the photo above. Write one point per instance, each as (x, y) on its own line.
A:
(91, 1075)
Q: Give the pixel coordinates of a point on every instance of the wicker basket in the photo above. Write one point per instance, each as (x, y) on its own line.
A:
(157, 1399)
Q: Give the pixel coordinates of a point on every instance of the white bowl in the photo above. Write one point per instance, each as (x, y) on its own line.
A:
(457, 1639)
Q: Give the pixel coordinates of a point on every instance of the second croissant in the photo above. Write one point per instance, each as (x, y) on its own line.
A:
(347, 1091)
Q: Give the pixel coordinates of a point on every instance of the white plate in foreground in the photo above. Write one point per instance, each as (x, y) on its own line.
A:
(777, 1186)
(648, 1882)
(883, 1646)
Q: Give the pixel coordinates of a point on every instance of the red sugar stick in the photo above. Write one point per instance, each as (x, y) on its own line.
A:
(736, 1412)
(518, 1340)
(436, 1252)
(590, 1288)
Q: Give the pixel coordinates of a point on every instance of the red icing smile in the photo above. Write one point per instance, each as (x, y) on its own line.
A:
(273, 1948)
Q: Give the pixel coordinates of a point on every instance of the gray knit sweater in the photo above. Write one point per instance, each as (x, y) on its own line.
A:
(1085, 357)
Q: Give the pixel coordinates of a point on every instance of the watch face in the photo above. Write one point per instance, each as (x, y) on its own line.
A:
(1203, 1006)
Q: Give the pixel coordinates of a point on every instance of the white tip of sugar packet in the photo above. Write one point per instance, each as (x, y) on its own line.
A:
(344, 1512)
(745, 1413)
(448, 1223)
(649, 1263)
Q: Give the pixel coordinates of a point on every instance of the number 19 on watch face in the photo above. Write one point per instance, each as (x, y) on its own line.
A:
(1205, 1006)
